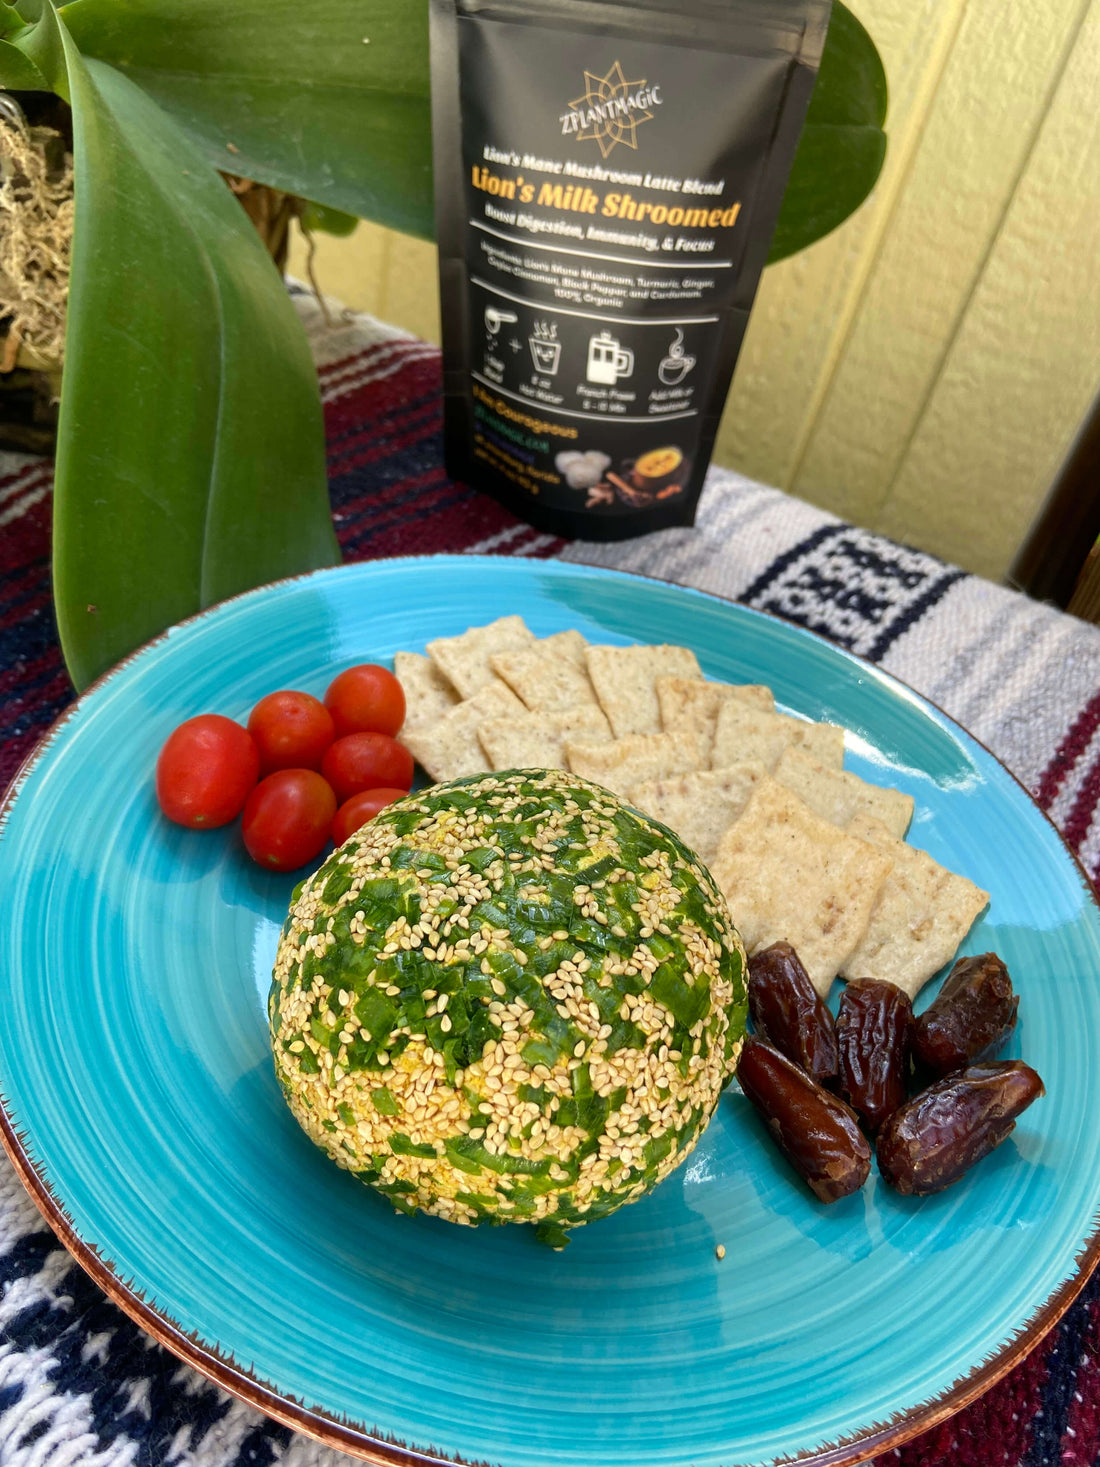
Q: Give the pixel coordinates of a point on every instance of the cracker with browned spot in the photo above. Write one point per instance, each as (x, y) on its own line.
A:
(622, 763)
(450, 748)
(742, 732)
(701, 806)
(464, 660)
(838, 795)
(544, 680)
(789, 876)
(625, 682)
(692, 703)
(428, 694)
(537, 740)
(922, 914)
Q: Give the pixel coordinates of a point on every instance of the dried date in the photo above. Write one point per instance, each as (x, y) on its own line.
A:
(873, 1031)
(938, 1136)
(815, 1130)
(787, 1010)
(969, 1019)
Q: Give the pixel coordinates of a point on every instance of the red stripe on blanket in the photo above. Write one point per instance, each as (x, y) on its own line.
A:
(369, 401)
(30, 476)
(1079, 820)
(343, 365)
(1069, 751)
(399, 428)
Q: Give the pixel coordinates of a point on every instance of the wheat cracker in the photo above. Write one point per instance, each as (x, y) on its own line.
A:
(625, 677)
(692, 703)
(544, 680)
(449, 748)
(922, 914)
(428, 694)
(789, 876)
(743, 732)
(837, 795)
(537, 740)
(464, 660)
(620, 764)
(700, 806)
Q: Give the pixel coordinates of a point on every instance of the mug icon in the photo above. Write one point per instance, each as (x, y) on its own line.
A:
(676, 364)
(608, 359)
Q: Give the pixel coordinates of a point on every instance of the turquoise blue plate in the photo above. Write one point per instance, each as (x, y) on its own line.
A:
(142, 1111)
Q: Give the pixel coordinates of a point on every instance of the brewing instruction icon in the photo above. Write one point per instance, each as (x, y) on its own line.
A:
(608, 359)
(495, 318)
(676, 364)
(545, 348)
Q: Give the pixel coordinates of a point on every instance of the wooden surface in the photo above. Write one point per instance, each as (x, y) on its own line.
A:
(924, 369)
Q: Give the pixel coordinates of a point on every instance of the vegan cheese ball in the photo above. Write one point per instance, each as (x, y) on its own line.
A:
(510, 998)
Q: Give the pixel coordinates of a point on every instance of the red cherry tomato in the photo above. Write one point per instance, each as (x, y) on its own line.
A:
(366, 699)
(292, 731)
(205, 771)
(367, 761)
(359, 809)
(288, 818)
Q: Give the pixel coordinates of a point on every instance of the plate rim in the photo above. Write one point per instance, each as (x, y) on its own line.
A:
(355, 1438)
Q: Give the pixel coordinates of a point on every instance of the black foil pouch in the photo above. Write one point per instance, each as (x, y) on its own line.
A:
(608, 174)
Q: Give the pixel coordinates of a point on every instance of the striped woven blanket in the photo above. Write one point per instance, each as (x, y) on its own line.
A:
(80, 1384)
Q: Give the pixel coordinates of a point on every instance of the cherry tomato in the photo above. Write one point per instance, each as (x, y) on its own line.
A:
(367, 761)
(292, 731)
(288, 818)
(205, 771)
(366, 699)
(359, 809)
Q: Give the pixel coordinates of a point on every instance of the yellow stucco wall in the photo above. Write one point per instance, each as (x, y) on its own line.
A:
(923, 370)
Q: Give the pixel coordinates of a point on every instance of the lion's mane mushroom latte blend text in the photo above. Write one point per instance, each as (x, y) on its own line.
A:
(608, 177)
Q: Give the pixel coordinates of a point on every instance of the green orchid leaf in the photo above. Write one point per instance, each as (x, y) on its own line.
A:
(327, 100)
(315, 217)
(842, 147)
(10, 19)
(18, 72)
(332, 102)
(190, 445)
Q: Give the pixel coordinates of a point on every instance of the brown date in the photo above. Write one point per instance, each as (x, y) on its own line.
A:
(938, 1136)
(815, 1130)
(873, 1030)
(969, 1019)
(787, 1010)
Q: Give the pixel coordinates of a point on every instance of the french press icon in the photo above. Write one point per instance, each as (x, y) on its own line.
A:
(608, 360)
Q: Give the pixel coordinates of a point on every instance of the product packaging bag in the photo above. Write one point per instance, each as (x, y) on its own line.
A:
(607, 181)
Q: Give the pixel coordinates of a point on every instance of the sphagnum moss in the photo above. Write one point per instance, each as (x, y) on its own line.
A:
(510, 998)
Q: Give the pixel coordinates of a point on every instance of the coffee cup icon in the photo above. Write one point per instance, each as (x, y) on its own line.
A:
(676, 364)
(608, 360)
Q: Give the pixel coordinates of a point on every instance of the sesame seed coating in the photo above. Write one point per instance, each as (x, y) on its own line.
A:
(510, 998)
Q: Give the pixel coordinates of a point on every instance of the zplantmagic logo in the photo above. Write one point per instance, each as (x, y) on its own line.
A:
(611, 110)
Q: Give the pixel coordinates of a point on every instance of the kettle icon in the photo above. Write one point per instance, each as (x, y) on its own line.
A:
(608, 359)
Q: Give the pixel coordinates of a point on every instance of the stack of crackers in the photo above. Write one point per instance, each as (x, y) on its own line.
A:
(805, 851)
